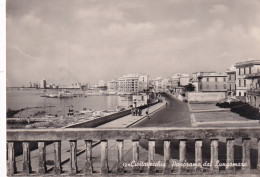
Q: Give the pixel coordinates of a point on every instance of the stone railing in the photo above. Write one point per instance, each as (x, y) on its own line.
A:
(56, 136)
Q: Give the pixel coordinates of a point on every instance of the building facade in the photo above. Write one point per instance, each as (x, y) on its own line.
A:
(212, 82)
(253, 89)
(231, 81)
(180, 79)
(43, 84)
(132, 83)
(112, 86)
(242, 70)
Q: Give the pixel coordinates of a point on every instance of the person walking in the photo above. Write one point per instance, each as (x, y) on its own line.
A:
(133, 111)
(147, 115)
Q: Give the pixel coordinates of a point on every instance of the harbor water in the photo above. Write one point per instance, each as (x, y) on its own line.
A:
(32, 101)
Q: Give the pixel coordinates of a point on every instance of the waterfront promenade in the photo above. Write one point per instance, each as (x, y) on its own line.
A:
(123, 122)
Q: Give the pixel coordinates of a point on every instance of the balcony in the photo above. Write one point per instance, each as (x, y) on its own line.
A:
(253, 91)
(56, 136)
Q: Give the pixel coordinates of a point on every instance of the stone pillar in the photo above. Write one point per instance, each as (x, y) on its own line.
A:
(258, 162)
(167, 155)
(182, 169)
(26, 159)
(42, 158)
(11, 159)
(88, 162)
(198, 156)
(104, 157)
(151, 152)
(214, 156)
(57, 158)
(246, 155)
(73, 157)
(135, 156)
(120, 168)
(230, 156)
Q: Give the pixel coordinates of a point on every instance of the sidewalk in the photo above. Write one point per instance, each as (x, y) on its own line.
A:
(129, 120)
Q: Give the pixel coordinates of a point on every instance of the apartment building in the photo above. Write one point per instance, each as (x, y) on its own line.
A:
(243, 69)
(212, 82)
(132, 83)
(231, 81)
(253, 89)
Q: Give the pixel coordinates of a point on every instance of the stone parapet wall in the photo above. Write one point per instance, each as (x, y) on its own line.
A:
(205, 97)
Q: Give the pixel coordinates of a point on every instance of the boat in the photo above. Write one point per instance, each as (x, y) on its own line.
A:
(52, 95)
(85, 111)
(65, 94)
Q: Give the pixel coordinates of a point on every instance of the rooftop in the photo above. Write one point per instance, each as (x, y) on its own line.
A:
(212, 74)
(246, 63)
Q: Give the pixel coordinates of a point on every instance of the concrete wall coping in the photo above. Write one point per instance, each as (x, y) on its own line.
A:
(130, 133)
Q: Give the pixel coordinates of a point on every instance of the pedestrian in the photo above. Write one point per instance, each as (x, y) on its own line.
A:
(136, 109)
(147, 115)
(132, 111)
(140, 112)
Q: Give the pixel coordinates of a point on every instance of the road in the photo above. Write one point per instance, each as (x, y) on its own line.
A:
(175, 114)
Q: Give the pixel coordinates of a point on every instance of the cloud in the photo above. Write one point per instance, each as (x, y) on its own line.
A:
(100, 40)
(30, 19)
(218, 9)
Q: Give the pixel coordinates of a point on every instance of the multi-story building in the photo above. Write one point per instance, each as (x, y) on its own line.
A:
(253, 89)
(231, 81)
(242, 70)
(180, 79)
(195, 80)
(43, 84)
(133, 83)
(112, 86)
(211, 82)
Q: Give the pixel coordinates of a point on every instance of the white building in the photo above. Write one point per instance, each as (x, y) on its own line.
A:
(180, 79)
(132, 83)
(112, 86)
(43, 84)
(242, 70)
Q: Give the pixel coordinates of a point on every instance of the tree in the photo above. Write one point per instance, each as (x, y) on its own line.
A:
(189, 88)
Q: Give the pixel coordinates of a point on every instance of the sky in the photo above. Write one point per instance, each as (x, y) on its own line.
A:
(86, 41)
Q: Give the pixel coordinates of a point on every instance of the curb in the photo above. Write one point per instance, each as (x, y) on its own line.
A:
(145, 116)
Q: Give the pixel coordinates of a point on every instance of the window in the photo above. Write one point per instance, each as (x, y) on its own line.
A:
(245, 83)
(216, 86)
(230, 87)
(239, 93)
(224, 79)
(239, 71)
(229, 77)
(239, 83)
(244, 93)
(244, 70)
(207, 79)
(225, 87)
(216, 79)
(249, 70)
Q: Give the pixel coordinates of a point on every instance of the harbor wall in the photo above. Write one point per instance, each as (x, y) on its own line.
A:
(103, 120)
(100, 121)
(205, 97)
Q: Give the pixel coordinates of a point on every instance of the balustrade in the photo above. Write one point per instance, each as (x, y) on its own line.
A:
(134, 134)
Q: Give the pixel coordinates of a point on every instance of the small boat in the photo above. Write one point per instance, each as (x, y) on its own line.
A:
(65, 94)
(49, 116)
(85, 110)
